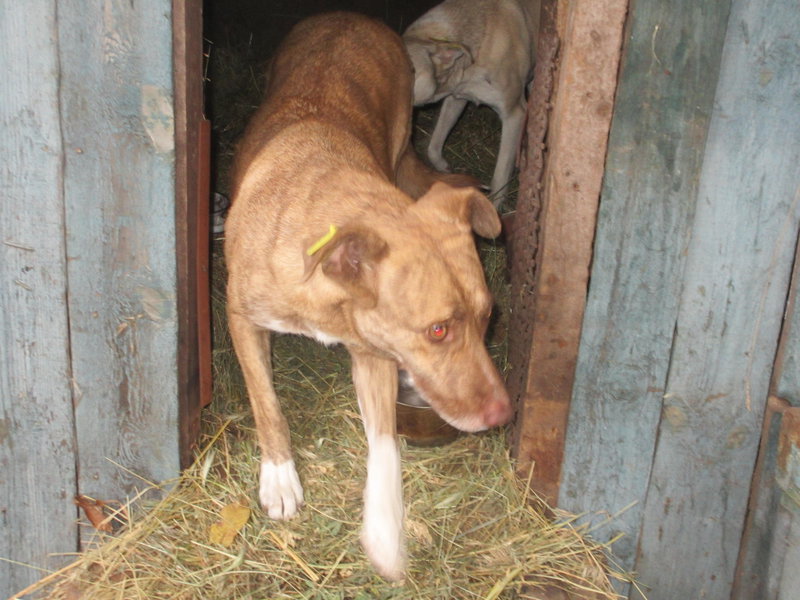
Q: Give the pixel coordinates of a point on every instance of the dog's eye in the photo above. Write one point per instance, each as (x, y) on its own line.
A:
(437, 332)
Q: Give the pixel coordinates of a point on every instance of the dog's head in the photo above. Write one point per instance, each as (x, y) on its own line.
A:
(418, 294)
(438, 67)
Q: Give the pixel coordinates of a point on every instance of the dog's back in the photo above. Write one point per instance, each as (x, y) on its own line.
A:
(307, 81)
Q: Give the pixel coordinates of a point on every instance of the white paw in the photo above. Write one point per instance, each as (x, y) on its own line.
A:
(385, 547)
(280, 491)
(382, 535)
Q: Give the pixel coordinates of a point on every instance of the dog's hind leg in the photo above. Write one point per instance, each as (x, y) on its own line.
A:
(512, 123)
(375, 380)
(280, 491)
(452, 108)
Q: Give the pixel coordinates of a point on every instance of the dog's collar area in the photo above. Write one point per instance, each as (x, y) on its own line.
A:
(320, 243)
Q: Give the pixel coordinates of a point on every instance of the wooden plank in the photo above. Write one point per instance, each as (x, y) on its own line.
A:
(735, 287)
(761, 529)
(786, 373)
(37, 463)
(784, 568)
(786, 587)
(203, 264)
(192, 232)
(660, 121)
(578, 132)
(521, 228)
(117, 108)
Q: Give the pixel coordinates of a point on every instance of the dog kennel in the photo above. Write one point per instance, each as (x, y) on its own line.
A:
(654, 341)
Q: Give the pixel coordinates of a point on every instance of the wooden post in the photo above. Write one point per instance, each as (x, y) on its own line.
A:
(578, 133)
(192, 218)
(117, 121)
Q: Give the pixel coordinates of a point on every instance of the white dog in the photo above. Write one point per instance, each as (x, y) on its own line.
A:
(481, 51)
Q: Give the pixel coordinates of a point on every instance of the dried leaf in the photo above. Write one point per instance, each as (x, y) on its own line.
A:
(234, 517)
(420, 532)
(93, 509)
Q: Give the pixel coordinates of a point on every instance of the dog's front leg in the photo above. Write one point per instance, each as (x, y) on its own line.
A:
(452, 108)
(382, 537)
(280, 491)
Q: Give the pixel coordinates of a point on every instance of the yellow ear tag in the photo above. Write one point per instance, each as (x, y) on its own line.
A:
(315, 247)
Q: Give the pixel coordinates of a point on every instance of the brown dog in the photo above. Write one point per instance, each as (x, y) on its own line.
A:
(320, 242)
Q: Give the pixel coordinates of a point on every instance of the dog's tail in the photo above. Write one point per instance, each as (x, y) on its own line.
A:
(415, 177)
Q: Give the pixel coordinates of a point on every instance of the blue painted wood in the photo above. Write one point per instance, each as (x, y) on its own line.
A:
(787, 580)
(764, 543)
(784, 575)
(786, 379)
(662, 111)
(734, 293)
(762, 527)
(117, 109)
(37, 465)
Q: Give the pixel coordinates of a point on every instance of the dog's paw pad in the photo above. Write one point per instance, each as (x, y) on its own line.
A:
(280, 491)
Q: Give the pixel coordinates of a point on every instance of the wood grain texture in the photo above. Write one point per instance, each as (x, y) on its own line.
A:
(117, 110)
(37, 467)
(783, 581)
(761, 528)
(191, 223)
(762, 553)
(732, 304)
(521, 227)
(578, 133)
(786, 373)
(647, 205)
(786, 580)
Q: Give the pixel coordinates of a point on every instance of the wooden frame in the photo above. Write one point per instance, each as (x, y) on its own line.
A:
(579, 122)
(192, 147)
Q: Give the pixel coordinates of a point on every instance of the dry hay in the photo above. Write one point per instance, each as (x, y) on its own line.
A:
(473, 530)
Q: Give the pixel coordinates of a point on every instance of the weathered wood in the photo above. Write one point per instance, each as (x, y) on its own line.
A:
(659, 126)
(753, 567)
(37, 439)
(192, 218)
(578, 133)
(521, 228)
(734, 292)
(787, 578)
(783, 582)
(203, 269)
(786, 372)
(117, 123)
(763, 532)
(764, 543)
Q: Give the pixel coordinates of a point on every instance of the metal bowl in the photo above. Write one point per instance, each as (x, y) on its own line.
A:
(421, 426)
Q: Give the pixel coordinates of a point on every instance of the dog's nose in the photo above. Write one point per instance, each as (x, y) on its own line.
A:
(497, 412)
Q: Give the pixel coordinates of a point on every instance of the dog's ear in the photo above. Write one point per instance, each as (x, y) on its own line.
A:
(464, 204)
(448, 58)
(350, 258)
